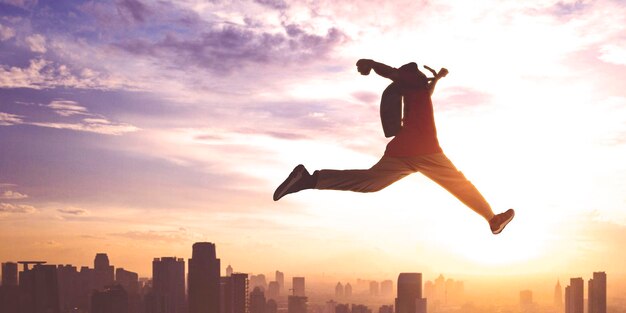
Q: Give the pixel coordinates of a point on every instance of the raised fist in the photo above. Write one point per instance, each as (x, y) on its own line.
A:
(364, 66)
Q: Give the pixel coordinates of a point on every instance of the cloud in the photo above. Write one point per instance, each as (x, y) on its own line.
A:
(8, 208)
(6, 33)
(229, 47)
(73, 211)
(99, 128)
(67, 107)
(25, 4)
(274, 4)
(36, 43)
(612, 53)
(44, 74)
(137, 10)
(8, 119)
(12, 195)
(177, 235)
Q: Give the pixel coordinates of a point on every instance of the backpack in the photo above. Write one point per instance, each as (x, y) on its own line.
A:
(391, 100)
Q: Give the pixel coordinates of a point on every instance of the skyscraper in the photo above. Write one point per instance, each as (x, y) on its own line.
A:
(240, 292)
(229, 270)
(298, 286)
(558, 295)
(280, 278)
(386, 288)
(112, 299)
(271, 306)
(204, 279)
(9, 274)
(574, 296)
(273, 290)
(40, 288)
(257, 301)
(347, 291)
(130, 282)
(296, 304)
(409, 299)
(597, 293)
(374, 288)
(103, 271)
(525, 298)
(168, 284)
(339, 290)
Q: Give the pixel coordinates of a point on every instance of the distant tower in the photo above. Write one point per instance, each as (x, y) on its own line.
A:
(40, 289)
(374, 288)
(229, 270)
(257, 301)
(296, 304)
(273, 290)
(597, 293)
(338, 291)
(409, 290)
(9, 274)
(525, 298)
(204, 279)
(103, 271)
(298, 286)
(280, 278)
(113, 299)
(558, 296)
(168, 284)
(271, 306)
(386, 288)
(347, 291)
(574, 296)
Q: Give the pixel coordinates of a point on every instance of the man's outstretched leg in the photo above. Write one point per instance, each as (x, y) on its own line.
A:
(379, 176)
(441, 170)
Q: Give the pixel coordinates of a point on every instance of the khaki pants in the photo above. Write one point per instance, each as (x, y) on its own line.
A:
(390, 169)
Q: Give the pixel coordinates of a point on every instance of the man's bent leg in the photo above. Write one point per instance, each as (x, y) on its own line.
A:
(379, 176)
(441, 170)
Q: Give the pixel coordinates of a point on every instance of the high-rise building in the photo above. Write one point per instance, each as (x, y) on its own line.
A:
(386, 309)
(273, 290)
(347, 291)
(9, 290)
(409, 299)
(229, 270)
(40, 289)
(258, 281)
(374, 288)
(104, 274)
(168, 284)
(597, 293)
(240, 292)
(339, 290)
(9, 274)
(360, 308)
(280, 278)
(525, 298)
(130, 282)
(574, 296)
(558, 295)
(342, 308)
(296, 304)
(257, 301)
(67, 277)
(386, 288)
(112, 299)
(298, 286)
(271, 307)
(204, 279)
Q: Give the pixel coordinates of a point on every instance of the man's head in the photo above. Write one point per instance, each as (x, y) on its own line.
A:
(414, 70)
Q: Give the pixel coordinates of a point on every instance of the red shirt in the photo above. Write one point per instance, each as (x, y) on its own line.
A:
(418, 135)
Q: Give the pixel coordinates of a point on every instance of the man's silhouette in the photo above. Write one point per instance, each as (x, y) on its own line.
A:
(415, 148)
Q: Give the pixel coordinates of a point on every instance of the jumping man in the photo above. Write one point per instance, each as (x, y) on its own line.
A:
(414, 148)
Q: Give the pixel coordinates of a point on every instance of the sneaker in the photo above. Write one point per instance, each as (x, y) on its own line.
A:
(294, 183)
(498, 222)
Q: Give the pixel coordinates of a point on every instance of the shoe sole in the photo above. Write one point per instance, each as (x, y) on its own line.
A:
(281, 191)
(499, 230)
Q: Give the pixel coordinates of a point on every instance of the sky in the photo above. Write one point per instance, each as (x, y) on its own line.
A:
(137, 128)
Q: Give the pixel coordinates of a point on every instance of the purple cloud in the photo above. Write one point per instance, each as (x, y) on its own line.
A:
(135, 8)
(229, 47)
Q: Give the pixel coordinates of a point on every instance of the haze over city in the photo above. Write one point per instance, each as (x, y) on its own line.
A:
(138, 128)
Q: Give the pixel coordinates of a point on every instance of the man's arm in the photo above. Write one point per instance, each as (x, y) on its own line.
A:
(366, 65)
(433, 81)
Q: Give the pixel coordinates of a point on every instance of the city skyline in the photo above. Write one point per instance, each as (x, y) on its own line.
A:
(141, 127)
